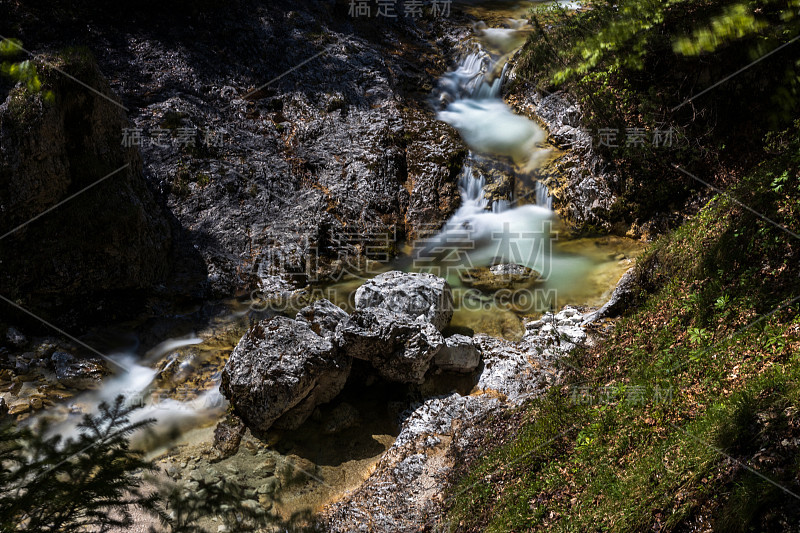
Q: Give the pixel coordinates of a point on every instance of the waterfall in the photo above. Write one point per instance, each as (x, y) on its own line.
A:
(137, 385)
(482, 232)
(543, 197)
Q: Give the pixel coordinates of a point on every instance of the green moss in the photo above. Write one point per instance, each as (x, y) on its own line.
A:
(715, 380)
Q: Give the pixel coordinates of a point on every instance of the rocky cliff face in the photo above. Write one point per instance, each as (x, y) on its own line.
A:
(113, 237)
(289, 139)
(579, 181)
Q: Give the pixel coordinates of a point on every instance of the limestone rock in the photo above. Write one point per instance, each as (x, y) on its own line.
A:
(228, 435)
(460, 354)
(398, 346)
(411, 294)
(279, 364)
(322, 316)
(77, 374)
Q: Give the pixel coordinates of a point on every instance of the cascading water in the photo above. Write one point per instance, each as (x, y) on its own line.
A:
(499, 231)
(137, 382)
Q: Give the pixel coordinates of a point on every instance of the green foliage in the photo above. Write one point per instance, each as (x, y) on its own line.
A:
(24, 72)
(737, 21)
(50, 484)
(94, 481)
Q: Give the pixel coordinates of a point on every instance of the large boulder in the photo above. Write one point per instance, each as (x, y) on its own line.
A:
(280, 365)
(411, 294)
(399, 347)
(322, 317)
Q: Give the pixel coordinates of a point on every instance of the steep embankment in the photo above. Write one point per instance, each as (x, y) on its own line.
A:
(110, 238)
(686, 417)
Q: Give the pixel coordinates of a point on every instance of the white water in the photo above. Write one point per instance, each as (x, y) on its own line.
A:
(481, 233)
(487, 125)
(471, 96)
(136, 384)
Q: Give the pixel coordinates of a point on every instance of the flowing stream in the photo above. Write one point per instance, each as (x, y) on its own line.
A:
(518, 229)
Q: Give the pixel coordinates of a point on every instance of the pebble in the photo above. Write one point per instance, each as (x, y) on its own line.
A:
(267, 467)
(269, 487)
(19, 408)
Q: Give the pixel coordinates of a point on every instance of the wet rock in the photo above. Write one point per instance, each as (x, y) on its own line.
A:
(580, 181)
(322, 316)
(497, 277)
(77, 374)
(22, 365)
(19, 408)
(460, 354)
(399, 347)
(279, 364)
(411, 294)
(228, 435)
(435, 155)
